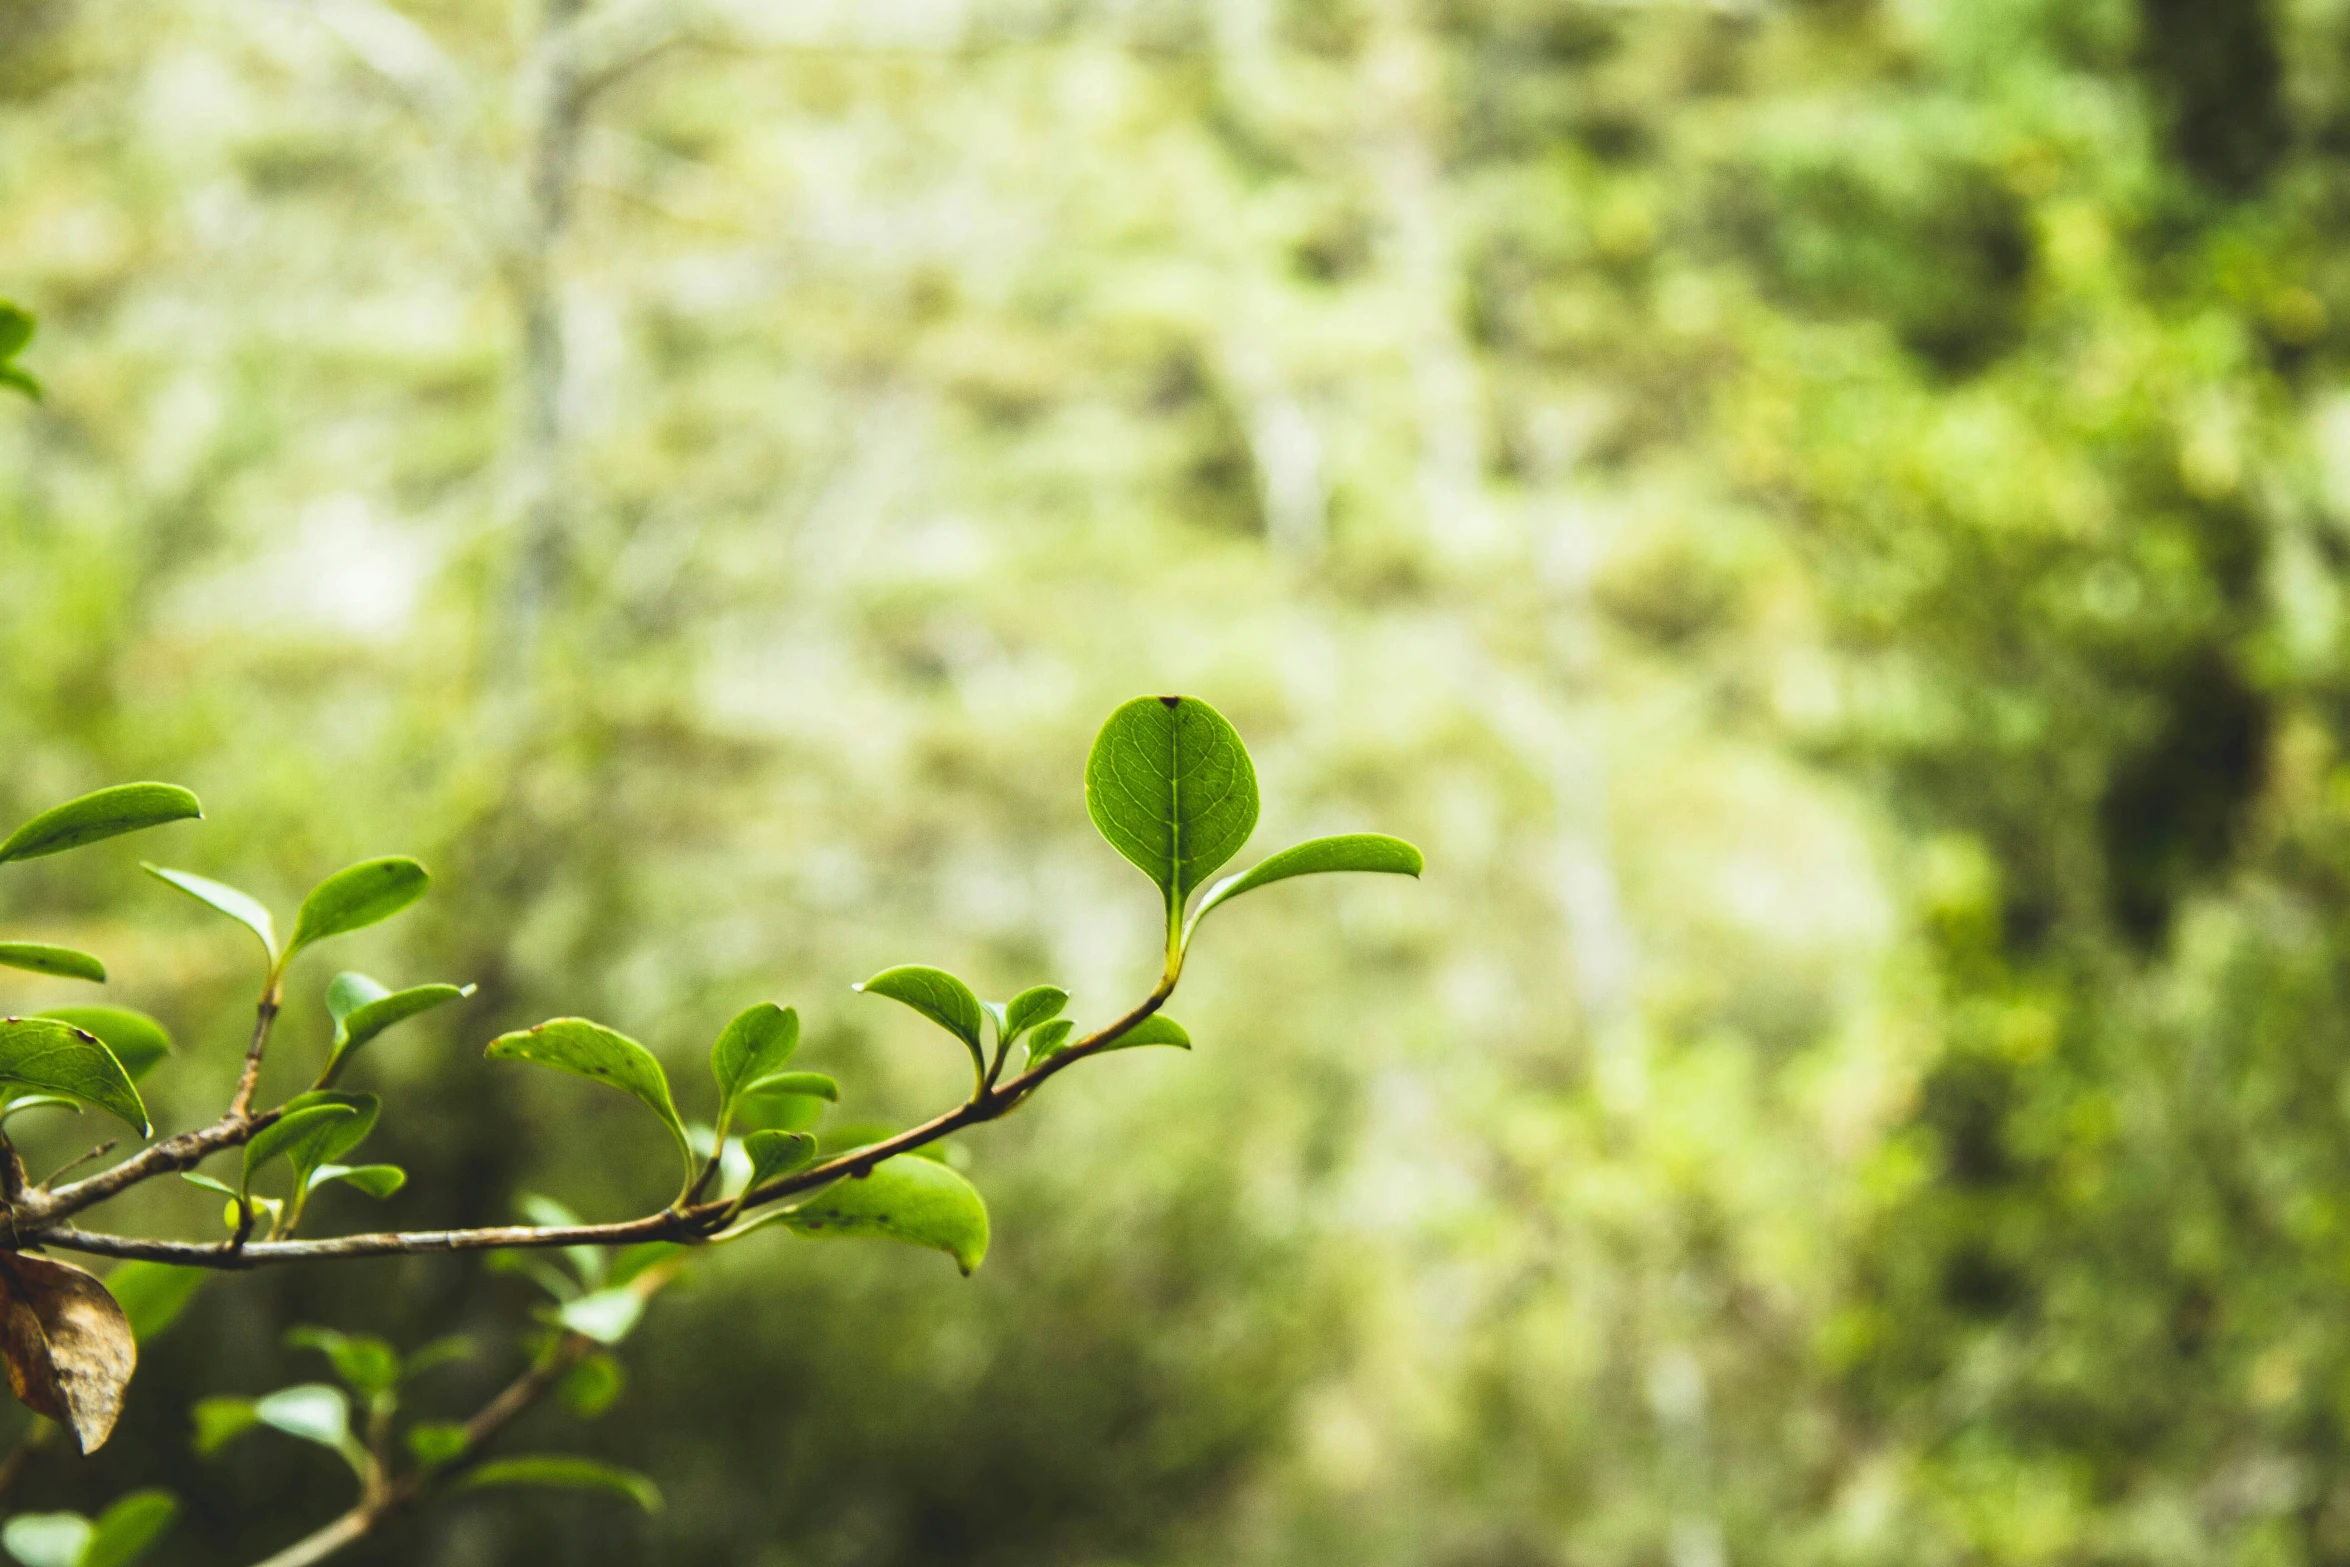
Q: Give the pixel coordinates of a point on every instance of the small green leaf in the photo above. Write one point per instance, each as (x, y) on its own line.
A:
(130, 1528)
(356, 897)
(376, 1180)
(136, 1039)
(39, 958)
(586, 1261)
(311, 1411)
(199, 1178)
(1031, 1007)
(916, 1201)
(592, 1386)
(591, 1050)
(244, 908)
(1049, 1038)
(298, 1131)
(37, 1102)
(607, 1316)
(105, 814)
(1171, 787)
(437, 1443)
(153, 1294)
(640, 1259)
(440, 1352)
(220, 1421)
(50, 1057)
(755, 1045)
(363, 1009)
(804, 1085)
(938, 996)
(366, 1362)
(776, 1153)
(334, 1139)
(47, 1539)
(1157, 1029)
(1361, 851)
(571, 1474)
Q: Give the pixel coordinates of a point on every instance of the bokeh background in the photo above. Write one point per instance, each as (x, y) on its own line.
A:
(1827, 519)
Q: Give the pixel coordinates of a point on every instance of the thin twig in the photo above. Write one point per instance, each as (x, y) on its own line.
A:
(99, 1152)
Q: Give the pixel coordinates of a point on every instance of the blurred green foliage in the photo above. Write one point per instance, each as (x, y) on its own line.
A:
(1826, 518)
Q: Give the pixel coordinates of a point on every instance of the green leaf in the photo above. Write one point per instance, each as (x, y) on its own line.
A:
(755, 1045)
(1049, 1038)
(376, 1180)
(440, 1352)
(37, 1102)
(776, 1153)
(530, 1265)
(199, 1178)
(571, 1474)
(363, 1009)
(802, 1085)
(335, 1139)
(20, 380)
(916, 1201)
(1031, 1007)
(780, 1112)
(586, 1261)
(311, 1411)
(437, 1442)
(592, 1386)
(356, 897)
(1157, 1029)
(16, 329)
(591, 1050)
(1171, 787)
(242, 907)
(153, 1294)
(635, 1261)
(300, 1131)
(220, 1421)
(47, 1539)
(938, 996)
(136, 1039)
(130, 1528)
(1360, 851)
(607, 1316)
(109, 813)
(366, 1362)
(39, 958)
(50, 1057)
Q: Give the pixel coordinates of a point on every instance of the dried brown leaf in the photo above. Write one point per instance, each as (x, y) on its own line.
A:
(68, 1347)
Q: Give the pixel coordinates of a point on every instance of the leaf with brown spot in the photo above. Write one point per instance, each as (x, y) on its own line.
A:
(68, 1347)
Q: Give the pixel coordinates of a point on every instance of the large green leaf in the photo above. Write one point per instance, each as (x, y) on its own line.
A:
(242, 907)
(356, 897)
(917, 1201)
(153, 1294)
(1171, 787)
(36, 957)
(50, 1057)
(1360, 851)
(106, 814)
(755, 1045)
(363, 1009)
(574, 1044)
(938, 996)
(48, 1539)
(129, 1529)
(136, 1039)
(570, 1474)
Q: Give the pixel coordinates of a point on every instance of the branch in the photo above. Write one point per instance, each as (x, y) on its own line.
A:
(690, 1224)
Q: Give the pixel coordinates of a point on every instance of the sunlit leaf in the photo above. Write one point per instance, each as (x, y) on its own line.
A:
(129, 1529)
(1362, 851)
(69, 1349)
(106, 814)
(905, 1199)
(938, 996)
(593, 1051)
(755, 1045)
(136, 1039)
(1171, 787)
(1049, 1038)
(607, 1316)
(571, 1474)
(244, 908)
(376, 1180)
(48, 1539)
(362, 1009)
(153, 1294)
(312, 1411)
(36, 957)
(51, 1057)
(1157, 1029)
(1031, 1007)
(356, 897)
